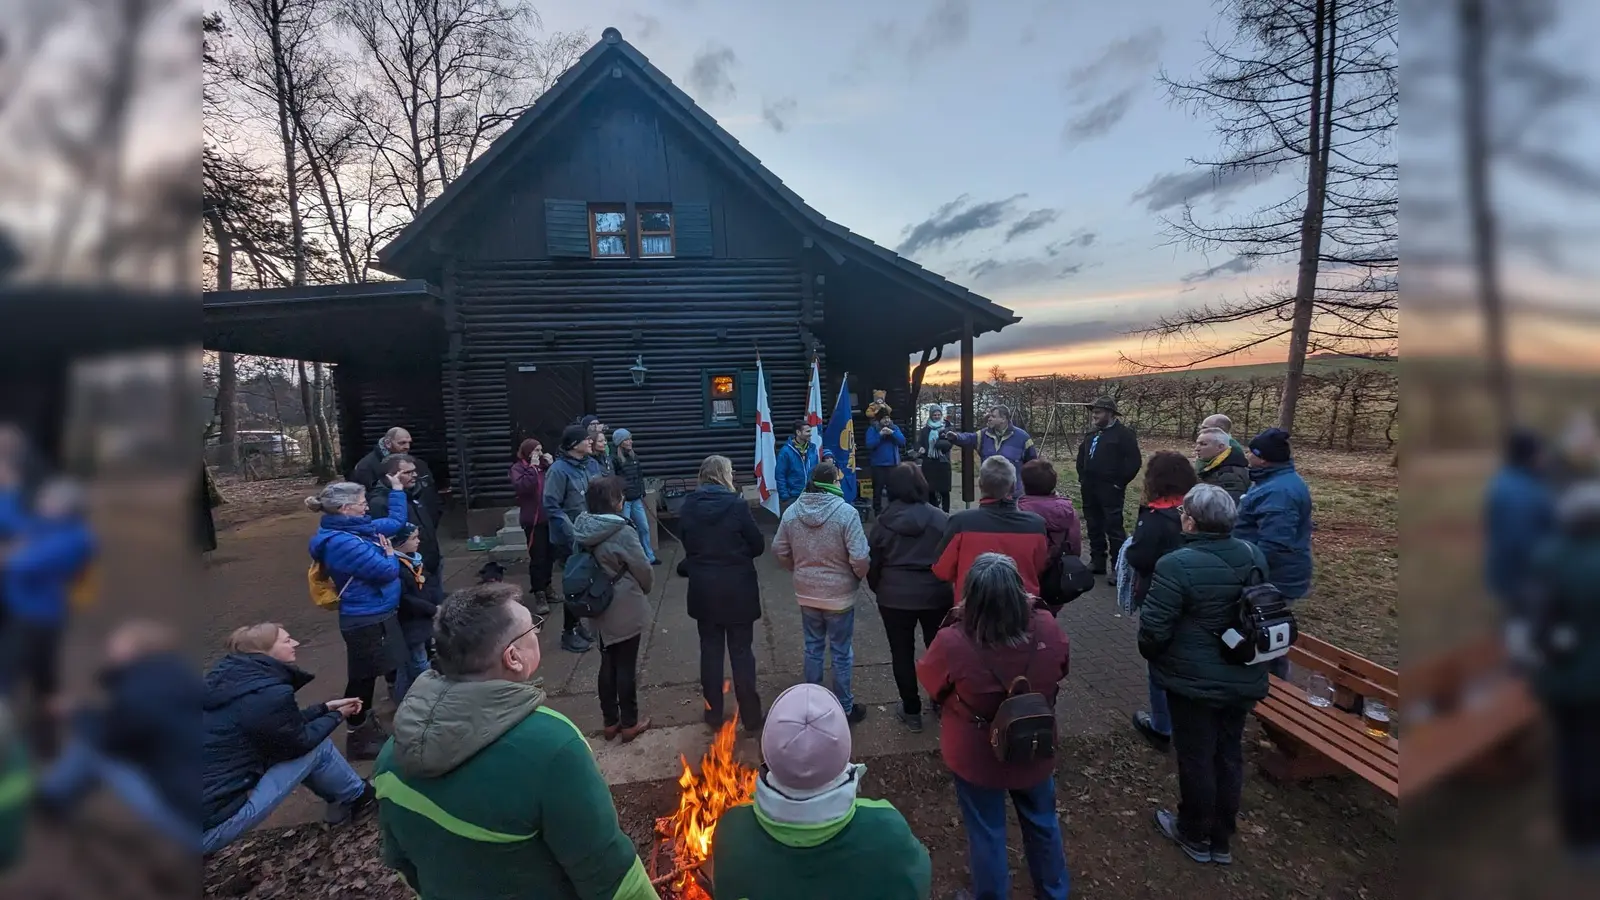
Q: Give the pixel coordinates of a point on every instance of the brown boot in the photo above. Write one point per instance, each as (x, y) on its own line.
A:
(611, 731)
(629, 734)
(365, 740)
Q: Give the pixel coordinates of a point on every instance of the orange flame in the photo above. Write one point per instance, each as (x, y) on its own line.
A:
(723, 782)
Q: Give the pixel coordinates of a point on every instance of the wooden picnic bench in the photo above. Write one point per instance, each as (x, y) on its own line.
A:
(1461, 712)
(1312, 742)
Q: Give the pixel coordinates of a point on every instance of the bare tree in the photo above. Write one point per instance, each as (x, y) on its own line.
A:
(444, 78)
(1302, 83)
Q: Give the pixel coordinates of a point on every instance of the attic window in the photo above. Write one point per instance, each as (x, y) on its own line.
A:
(608, 231)
(655, 231)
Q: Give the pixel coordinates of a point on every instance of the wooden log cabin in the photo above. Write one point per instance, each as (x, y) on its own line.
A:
(616, 251)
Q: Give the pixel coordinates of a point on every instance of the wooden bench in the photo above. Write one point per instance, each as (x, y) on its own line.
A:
(1465, 714)
(1461, 713)
(1312, 742)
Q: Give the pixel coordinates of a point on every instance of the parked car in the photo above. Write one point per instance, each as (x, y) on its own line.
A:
(261, 443)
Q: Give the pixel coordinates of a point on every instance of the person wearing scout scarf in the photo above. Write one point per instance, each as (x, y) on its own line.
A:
(1218, 462)
(808, 834)
(1000, 438)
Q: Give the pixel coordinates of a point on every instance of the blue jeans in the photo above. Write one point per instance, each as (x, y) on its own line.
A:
(83, 766)
(825, 628)
(324, 770)
(416, 664)
(633, 510)
(983, 812)
(1160, 715)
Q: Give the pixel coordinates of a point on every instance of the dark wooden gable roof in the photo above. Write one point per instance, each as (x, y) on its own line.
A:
(408, 253)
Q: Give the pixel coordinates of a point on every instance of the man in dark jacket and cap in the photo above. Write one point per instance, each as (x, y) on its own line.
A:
(565, 487)
(1275, 515)
(1108, 459)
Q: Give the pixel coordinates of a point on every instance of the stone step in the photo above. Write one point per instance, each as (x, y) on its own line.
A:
(512, 518)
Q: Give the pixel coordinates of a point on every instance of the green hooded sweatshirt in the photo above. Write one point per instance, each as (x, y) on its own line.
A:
(486, 792)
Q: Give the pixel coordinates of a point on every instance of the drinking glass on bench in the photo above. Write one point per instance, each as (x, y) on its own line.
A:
(1319, 690)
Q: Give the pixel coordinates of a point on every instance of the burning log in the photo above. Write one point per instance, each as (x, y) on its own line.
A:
(722, 782)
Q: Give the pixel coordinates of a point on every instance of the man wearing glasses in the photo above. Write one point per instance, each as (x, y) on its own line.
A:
(487, 791)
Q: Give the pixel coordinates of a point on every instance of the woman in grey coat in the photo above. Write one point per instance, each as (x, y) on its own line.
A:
(603, 532)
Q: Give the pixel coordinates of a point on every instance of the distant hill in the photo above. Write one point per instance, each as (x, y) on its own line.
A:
(1314, 365)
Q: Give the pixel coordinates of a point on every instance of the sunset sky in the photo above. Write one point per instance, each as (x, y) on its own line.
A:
(1019, 147)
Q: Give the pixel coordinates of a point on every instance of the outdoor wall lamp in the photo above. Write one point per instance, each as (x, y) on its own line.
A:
(637, 370)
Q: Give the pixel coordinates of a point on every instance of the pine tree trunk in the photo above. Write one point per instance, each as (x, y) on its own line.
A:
(308, 406)
(319, 420)
(1311, 219)
(1485, 240)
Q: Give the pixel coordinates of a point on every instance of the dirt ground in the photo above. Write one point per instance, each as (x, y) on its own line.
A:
(1333, 839)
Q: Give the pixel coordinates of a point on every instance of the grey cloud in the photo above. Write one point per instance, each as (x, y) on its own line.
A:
(1033, 221)
(648, 26)
(1042, 335)
(1100, 118)
(776, 113)
(998, 274)
(1132, 53)
(1236, 266)
(955, 220)
(708, 77)
(1177, 188)
(1079, 239)
(944, 28)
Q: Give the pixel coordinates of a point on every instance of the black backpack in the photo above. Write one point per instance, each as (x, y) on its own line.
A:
(1064, 580)
(1263, 628)
(585, 587)
(1023, 729)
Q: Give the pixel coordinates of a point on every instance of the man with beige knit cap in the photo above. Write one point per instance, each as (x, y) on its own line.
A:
(808, 834)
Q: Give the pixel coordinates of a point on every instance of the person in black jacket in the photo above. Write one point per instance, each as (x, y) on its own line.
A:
(143, 742)
(1108, 459)
(368, 471)
(259, 746)
(904, 544)
(1167, 477)
(420, 596)
(933, 449)
(720, 544)
(406, 469)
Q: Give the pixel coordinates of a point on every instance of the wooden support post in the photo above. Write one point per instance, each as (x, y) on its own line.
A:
(969, 419)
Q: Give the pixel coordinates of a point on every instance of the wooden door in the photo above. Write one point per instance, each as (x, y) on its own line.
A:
(546, 398)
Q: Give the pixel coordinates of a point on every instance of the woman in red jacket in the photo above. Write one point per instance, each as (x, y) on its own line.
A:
(527, 478)
(996, 635)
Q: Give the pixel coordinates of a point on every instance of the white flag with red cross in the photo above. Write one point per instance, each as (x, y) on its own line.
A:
(766, 447)
(814, 408)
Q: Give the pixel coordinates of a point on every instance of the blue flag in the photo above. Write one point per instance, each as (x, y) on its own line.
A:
(839, 440)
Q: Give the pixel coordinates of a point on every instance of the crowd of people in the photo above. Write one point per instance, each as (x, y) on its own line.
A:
(472, 729)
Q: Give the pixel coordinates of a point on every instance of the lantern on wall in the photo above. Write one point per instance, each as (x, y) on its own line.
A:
(638, 370)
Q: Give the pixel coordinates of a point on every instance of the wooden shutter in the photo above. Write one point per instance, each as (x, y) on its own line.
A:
(692, 230)
(566, 228)
(747, 395)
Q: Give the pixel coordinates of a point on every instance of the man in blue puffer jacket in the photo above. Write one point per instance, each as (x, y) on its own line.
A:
(354, 548)
(1519, 514)
(1275, 515)
(53, 547)
(796, 458)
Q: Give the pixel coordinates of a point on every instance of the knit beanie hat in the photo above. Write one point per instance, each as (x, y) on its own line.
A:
(806, 739)
(1271, 445)
(573, 435)
(621, 434)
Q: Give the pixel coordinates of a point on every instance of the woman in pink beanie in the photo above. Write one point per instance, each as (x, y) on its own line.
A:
(808, 834)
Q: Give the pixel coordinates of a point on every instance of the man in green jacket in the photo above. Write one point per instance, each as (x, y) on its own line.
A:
(484, 791)
(808, 835)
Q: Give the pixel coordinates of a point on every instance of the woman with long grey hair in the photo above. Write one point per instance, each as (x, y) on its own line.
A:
(997, 634)
(354, 549)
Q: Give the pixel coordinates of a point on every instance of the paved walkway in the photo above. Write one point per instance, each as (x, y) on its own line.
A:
(258, 574)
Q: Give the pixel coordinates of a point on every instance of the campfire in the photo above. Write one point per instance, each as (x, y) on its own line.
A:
(684, 837)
